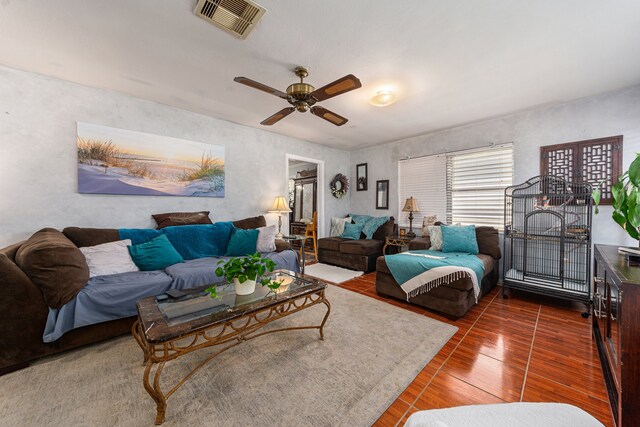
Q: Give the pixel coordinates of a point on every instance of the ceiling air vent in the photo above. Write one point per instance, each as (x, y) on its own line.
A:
(238, 17)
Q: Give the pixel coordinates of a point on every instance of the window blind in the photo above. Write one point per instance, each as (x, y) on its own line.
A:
(475, 185)
(423, 178)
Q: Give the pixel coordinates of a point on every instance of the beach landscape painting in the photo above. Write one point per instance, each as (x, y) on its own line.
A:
(119, 161)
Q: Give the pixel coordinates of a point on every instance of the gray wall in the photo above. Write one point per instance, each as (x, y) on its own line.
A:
(38, 180)
(616, 113)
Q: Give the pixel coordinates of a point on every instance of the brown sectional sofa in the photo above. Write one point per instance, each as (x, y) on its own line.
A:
(453, 299)
(23, 310)
(358, 254)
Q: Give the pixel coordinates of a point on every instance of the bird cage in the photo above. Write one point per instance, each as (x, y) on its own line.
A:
(547, 238)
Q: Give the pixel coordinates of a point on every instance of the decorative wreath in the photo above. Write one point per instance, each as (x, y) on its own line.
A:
(339, 186)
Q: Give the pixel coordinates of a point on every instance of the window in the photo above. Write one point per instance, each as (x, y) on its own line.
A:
(475, 185)
(425, 179)
(465, 187)
(596, 161)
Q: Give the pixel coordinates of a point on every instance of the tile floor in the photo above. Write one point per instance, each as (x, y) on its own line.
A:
(506, 350)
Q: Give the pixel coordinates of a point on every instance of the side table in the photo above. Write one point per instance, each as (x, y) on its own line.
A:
(298, 238)
(397, 241)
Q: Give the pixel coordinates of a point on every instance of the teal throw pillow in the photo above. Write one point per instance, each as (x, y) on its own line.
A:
(352, 231)
(156, 254)
(242, 242)
(372, 225)
(459, 238)
(360, 219)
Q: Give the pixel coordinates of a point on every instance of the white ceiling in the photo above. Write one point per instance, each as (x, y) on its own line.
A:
(450, 62)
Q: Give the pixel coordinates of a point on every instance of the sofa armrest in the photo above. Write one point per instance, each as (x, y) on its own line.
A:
(281, 245)
(420, 243)
(23, 314)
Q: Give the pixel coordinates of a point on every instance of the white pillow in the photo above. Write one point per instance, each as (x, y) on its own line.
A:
(109, 258)
(337, 226)
(435, 234)
(266, 239)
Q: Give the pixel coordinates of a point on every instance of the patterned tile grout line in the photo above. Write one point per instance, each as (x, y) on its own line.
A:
(533, 340)
(445, 361)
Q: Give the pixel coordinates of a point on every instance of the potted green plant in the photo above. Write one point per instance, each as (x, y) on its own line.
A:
(626, 199)
(244, 272)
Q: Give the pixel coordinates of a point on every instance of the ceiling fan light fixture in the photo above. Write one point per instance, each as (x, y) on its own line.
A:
(383, 98)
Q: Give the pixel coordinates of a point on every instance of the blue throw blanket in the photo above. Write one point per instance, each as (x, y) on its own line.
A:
(404, 266)
(191, 241)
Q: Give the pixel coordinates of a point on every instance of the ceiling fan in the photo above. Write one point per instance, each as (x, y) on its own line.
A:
(303, 97)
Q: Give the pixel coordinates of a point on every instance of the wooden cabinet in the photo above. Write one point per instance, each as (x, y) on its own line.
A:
(616, 329)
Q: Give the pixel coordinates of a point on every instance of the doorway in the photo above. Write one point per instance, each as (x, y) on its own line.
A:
(305, 194)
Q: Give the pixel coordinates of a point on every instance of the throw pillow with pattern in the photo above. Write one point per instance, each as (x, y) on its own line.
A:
(337, 226)
(372, 225)
(435, 234)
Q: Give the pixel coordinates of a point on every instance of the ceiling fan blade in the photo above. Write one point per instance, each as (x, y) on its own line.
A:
(340, 86)
(329, 116)
(254, 84)
(277, 116)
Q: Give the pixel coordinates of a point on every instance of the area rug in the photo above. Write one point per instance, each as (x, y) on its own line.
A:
(331, 273)
(371, 353)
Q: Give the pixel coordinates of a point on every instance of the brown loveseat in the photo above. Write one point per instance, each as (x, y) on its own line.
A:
(453, 299)
(358, 254)
(24, 304)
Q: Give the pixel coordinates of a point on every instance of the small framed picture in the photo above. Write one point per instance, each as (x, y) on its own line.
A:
(361, 177)
(402, 232)
(382, 194)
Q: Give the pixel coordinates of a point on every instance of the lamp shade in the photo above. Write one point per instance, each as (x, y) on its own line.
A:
(411, 205)
(280, 205)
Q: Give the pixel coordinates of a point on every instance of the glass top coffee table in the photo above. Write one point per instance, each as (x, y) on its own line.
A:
(168, 329)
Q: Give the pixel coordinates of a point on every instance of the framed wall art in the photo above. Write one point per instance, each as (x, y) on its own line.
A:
(382, 194)
(119, 161)
(361, 177)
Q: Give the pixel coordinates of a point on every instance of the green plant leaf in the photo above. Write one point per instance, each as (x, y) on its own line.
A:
(619, 218)
(633, 232)
(213, 291)
(634, 171)
(619, 194)
(596, 194)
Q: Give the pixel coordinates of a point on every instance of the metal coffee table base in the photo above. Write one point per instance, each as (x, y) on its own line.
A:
(227, 334)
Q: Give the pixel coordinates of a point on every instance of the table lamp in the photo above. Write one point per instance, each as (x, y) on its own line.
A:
(280, 206)
(411, 206)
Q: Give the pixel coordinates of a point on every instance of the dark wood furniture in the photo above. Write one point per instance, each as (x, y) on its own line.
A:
(166, 330)
(398, 242)
(616, 330)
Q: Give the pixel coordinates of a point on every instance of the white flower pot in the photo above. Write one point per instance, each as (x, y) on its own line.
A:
(246, 288)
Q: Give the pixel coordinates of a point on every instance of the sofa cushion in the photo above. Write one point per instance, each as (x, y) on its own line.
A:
(105, 298)
(109, 258)
(81, 236)
(459, 238)
(423, 242)
(331, 243)
(242, 242)
(386, 229)
(352, 231)
(337, 226)
(54, 264)
(200, 272)
(251, 223)
(181, 218)
(361, 247)
(156, 254)
(266, 239)
(488, 241)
